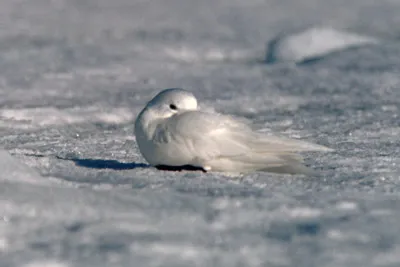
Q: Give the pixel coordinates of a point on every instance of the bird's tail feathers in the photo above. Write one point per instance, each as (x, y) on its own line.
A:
(279, 163)
(262, 143)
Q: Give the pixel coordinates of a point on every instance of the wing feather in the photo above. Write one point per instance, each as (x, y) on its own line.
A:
(218, 138)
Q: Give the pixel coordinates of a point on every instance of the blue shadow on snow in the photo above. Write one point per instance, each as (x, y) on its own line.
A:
(106, 164)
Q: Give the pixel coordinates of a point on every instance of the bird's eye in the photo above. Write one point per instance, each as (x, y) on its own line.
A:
(172, 106)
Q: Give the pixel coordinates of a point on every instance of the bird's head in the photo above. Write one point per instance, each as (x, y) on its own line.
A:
(170, 102)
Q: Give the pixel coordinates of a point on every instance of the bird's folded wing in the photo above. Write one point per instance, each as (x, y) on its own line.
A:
(209, 135)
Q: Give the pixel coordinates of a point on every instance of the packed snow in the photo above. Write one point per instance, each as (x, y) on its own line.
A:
(75, 191)
(314, 43)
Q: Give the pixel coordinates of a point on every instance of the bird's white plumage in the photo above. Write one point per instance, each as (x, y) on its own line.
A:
(172, 131)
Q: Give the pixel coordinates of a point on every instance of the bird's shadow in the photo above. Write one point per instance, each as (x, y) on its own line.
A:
(116, 165)
(106, 164)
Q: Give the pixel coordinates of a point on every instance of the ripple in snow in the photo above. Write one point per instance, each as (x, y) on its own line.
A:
(313, 43)
(32, 118)
(15, 171)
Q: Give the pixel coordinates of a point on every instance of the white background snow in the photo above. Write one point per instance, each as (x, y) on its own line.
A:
(74, 191)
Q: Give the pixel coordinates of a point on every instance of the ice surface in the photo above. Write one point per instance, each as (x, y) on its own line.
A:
(74, 74)
(45, 264)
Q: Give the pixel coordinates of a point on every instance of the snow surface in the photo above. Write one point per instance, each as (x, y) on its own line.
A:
(313, 44)
(74, 191)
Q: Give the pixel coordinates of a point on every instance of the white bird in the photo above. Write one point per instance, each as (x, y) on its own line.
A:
(173, 134)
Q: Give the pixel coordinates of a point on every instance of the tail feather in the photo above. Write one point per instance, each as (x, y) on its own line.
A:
(279, 163)
(253, 151)
(269, 143)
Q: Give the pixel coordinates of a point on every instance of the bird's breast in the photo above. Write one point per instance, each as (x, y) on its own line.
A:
(159, 147)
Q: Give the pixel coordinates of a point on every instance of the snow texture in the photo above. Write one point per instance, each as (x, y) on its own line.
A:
(74, 190)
